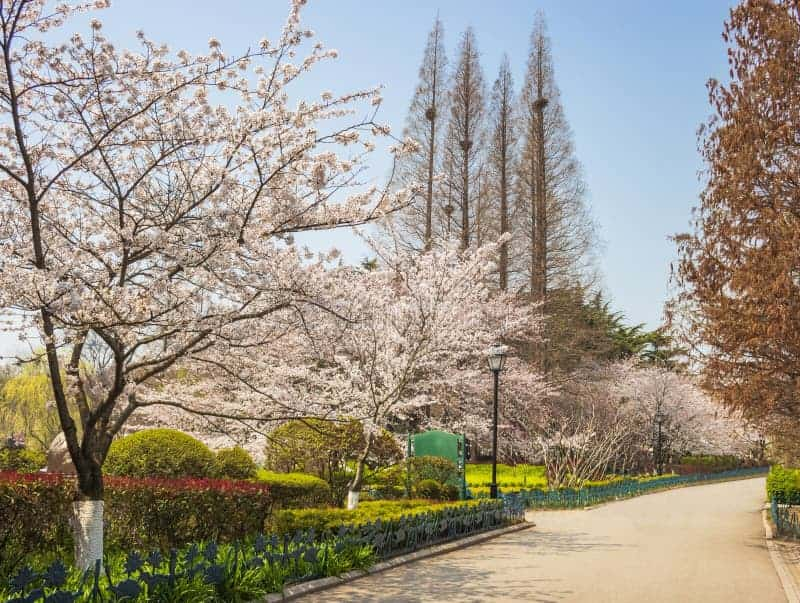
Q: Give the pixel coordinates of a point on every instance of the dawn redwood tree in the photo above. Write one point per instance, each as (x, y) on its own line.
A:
(422, 221)
(464, 153)
(148, 207)
(554, 234)
(502, 154)
(739, 269)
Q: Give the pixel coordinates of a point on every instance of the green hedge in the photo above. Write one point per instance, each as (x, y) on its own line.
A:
(321, 520)
(234, 463)
(292, 490)
(22, 460)
(142, 514)
(710, 463)
(165, 453)
(783, 484)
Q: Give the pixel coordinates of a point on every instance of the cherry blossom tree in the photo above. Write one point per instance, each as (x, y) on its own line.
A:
(417, 321)
(148, 208)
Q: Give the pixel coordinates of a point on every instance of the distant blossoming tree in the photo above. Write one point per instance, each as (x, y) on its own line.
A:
(148, 206)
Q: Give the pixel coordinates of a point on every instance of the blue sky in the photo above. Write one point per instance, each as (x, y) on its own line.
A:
(632, 76)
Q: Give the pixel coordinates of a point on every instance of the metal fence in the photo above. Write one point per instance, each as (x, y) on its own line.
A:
(568, 498)
(786, 518)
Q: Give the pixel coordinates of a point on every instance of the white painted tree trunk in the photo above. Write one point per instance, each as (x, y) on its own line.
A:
(88, 531)
(352, 499)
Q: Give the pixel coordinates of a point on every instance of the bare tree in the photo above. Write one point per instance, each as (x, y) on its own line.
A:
(555, 225)
(501, 157)
(426, 115)
(466, 131)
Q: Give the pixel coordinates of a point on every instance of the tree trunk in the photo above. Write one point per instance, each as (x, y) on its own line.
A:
(87, 519)
(354, 488)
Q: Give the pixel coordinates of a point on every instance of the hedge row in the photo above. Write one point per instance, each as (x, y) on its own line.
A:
(325, 519)
(35, 511)
(783, 485)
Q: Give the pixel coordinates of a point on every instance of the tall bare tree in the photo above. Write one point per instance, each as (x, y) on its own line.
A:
(557, 231)
(501, 157)
(426, 116)
(466, 131)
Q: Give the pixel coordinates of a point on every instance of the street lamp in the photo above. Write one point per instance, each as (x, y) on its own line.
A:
(497, 359)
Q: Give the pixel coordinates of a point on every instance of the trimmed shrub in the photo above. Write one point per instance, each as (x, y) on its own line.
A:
(234, 463)
(783, 484)
(34, 516)
(159, 513)
(450, 492)
(292, 490)
(325, 448)
(429, 488)
(322, 520)
(434, 468)
(164, 453)
(708, 463)
(22, 460)
(35, 512)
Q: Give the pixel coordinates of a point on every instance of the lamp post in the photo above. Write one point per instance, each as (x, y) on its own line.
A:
(497, 359)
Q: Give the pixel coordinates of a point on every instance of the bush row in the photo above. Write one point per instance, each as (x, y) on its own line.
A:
(783, 484)
(144, 513)
(322, 520)
(169, 453)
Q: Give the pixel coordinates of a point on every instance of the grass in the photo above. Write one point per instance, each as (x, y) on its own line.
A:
(508, 476)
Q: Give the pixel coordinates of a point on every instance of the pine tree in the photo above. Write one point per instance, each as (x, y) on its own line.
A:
(465, 134)
(424, 123)
(501, 157)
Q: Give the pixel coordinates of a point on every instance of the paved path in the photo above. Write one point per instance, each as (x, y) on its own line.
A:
(703, 543)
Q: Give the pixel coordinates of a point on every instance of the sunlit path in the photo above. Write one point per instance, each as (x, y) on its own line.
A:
(703, 543)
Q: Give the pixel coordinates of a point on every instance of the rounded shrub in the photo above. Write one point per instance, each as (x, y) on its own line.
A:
(450, 492)
(435, 468)
(234, 463)
(159, 453)
(22, 460)
(429, 488)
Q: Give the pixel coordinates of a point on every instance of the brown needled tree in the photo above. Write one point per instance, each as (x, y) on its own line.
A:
(739, 270)
(426, 115)
(501, 157)
(467, 115)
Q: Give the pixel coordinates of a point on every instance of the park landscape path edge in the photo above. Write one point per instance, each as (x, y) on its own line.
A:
(295, 591)
(790, 586)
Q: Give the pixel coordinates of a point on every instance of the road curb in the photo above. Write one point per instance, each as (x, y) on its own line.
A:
(790, 586)
(292, 593)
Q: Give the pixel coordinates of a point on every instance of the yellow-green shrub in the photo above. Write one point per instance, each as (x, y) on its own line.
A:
(164, 453)
(234, 463)
(290, 490)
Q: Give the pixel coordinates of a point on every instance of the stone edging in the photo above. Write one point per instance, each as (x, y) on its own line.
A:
(790, 587)
(305, 588)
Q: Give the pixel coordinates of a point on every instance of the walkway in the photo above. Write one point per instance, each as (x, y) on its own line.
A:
(702, 543)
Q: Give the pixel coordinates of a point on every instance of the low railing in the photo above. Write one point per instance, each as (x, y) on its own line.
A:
(568, 498)
(786, 518)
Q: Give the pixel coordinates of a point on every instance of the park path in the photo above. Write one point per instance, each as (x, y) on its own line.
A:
(702, 543)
